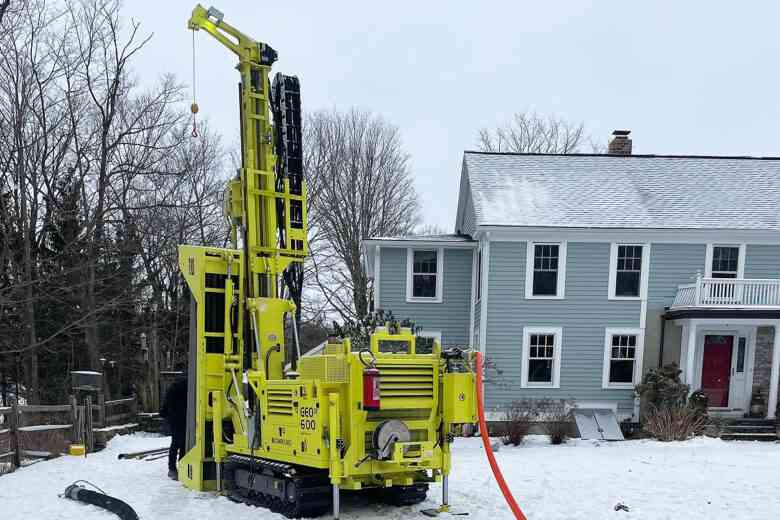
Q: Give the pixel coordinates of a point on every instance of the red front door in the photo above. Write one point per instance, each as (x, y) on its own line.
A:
(716, 369)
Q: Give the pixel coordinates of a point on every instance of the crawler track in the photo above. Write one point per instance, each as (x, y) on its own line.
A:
(290, 490)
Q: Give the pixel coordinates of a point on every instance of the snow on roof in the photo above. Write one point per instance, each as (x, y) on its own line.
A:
(637, 191)
(449, 237)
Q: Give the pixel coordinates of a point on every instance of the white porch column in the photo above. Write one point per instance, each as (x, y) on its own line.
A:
(774, 376)
(690, 356)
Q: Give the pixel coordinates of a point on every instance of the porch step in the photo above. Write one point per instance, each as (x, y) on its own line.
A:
(768, 437)
(751, 430)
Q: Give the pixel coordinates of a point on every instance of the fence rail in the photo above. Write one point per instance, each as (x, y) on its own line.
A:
(733, 293)
(42, 431)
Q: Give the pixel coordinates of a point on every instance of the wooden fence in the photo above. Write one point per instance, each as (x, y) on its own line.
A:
(43, 431)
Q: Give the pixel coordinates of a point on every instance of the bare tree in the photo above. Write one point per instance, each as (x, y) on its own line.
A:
(529, 132)
(3, 8)
(429, 229)
(360, 186)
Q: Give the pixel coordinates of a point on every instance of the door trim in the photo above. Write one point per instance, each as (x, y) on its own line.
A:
(748, 332)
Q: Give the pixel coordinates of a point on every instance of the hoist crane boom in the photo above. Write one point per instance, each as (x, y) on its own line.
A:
(291, 436)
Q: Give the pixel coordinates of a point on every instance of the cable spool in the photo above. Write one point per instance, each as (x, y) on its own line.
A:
(387, 434)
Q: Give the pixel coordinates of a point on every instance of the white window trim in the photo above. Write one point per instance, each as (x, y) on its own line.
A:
(529, 271)
(556, 370)
(639, 354)
(740, 261)
(613, 252)
(439, 275)
(478, 274)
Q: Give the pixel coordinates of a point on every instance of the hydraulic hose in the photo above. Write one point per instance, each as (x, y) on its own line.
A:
(483, 430)
(100, 499)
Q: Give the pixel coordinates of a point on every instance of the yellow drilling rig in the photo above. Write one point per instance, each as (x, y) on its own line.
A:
(290, 437)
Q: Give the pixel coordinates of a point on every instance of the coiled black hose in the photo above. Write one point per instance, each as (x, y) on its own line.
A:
(100, 499)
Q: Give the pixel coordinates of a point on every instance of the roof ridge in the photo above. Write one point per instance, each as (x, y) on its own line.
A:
(641, 156)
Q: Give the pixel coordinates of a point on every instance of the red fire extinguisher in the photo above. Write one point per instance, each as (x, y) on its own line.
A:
(370, 383)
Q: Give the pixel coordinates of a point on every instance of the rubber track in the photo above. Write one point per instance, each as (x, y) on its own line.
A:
(313, 491)
(404, 495)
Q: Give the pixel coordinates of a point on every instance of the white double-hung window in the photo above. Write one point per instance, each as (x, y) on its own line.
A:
(627, 271)
(725, 261)
(623, 349)
(545, 274)
(541, 366)
(424, 275)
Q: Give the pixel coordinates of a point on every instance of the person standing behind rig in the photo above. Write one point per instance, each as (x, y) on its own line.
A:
(174, 411)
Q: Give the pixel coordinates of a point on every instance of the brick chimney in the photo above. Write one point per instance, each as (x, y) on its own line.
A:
(620, 143)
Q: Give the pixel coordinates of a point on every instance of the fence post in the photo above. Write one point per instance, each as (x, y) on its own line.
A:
(698, 288)
(15, 444)
(102, 410)
(89, 440)
(74, 414)
(134, 409)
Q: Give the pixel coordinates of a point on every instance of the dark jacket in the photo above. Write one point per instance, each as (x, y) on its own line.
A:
(174, 408)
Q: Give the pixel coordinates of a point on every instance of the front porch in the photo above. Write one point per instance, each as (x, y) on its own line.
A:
(730, 342)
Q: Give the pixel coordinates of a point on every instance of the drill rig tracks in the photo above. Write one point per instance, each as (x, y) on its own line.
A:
(293, 491)
(296, 491)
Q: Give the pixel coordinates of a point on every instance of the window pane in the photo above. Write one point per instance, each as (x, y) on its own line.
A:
(629, 269)
(545, 283)
(627, 283)
(540, 370)
(741, 355)
(424, 285)
(621, 371)
(725, 260)
(424, 262)
(623, 346)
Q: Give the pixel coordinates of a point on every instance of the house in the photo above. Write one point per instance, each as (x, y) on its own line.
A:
(577, 273)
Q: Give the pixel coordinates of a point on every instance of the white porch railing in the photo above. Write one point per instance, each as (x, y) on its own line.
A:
(729, 293)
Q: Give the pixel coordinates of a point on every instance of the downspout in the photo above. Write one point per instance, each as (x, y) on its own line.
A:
(663, 337)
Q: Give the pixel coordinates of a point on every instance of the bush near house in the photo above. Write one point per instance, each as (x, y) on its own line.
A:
(518, 418)
(670, 414)
(556, 419)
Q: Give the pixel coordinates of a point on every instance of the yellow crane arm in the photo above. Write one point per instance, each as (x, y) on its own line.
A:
(212, 21)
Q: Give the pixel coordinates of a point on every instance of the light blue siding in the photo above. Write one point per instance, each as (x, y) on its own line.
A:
(584, 315)
(671, 265)
(762, 261)
(452, 316)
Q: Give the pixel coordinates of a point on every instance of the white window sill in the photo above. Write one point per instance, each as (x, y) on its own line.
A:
(619, 386)
(626, 298)
(540, 385)
(543, 297)
(423, 300)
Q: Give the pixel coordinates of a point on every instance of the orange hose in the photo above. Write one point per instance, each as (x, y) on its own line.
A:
(510, 500)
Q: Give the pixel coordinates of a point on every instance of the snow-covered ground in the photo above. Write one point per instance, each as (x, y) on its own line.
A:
(700, 479)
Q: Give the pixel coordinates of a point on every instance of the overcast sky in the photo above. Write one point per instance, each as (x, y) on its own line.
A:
(685, 77)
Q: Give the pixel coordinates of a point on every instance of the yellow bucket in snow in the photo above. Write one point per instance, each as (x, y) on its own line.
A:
(77, 450)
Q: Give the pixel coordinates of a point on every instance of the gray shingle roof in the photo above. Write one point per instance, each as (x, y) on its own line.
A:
(600, 191)
(449, 237)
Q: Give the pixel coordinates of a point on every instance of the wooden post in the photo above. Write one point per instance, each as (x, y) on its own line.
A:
(74, 420)
(88, 433)
(134, 409)
(102, 410)
(15, 444)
